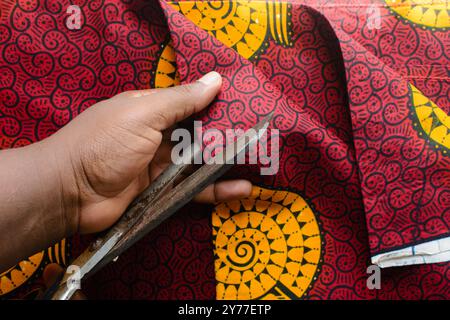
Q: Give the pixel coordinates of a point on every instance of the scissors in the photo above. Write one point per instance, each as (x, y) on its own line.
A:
(155, 204)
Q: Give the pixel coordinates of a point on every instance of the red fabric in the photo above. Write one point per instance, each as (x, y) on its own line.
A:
(341, 103)
(305, 86)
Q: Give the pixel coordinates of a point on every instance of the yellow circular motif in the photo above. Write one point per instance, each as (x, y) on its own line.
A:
(240, 25)
(267, 246)
(427, 13)
(433, 121)
(18, 275)
(166, 68)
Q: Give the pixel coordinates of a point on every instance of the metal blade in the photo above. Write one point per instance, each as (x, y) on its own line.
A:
(100, 247)
(155, 205)
(186, 190)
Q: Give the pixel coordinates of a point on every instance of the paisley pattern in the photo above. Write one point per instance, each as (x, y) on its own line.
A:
(48, 76)
(344, 103)
(403, 203)
(174, 262)
(434, 13)
(267, 246)
(242, 25)
(316, 155)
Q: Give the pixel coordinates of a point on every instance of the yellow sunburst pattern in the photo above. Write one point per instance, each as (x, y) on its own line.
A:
(267, 246)
(432, 120)
(20, 274)
(244, 26)
(426, 13)
(166, 74)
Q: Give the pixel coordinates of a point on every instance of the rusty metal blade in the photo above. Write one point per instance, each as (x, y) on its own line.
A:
(154, 205)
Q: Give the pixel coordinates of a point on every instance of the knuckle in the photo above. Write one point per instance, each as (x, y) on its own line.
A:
(187, 97)
(159, 117)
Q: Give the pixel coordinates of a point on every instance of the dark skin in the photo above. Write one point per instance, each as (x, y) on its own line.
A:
(82, 178)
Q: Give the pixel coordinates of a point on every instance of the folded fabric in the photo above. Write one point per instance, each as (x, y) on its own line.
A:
(361, 106)
(393, 183)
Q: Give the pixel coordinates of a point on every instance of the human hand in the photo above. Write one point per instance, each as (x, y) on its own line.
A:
(82, 178)
(112, 151)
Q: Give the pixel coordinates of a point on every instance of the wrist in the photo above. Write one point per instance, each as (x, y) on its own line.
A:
(58, 182)
(37, 206)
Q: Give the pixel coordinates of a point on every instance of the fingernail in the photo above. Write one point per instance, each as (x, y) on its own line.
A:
(245, 187)
(210, 79)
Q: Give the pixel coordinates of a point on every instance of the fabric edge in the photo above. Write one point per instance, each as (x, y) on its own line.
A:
(435, 251)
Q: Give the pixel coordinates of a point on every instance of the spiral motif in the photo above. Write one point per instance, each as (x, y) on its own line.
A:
(267, 246)
(243, 254)
(241, 25)
(49, 76)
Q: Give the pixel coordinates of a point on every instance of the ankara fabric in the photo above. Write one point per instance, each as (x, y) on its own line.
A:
(362, 114)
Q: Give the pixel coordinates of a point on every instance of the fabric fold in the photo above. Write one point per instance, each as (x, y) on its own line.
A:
(407, 240)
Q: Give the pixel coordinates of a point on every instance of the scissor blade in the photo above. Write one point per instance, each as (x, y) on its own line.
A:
(189, 187)
(103, 244)
(64, 289)
(155, 205)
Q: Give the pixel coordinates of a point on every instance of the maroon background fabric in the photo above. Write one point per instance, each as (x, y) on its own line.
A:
(304, 85)
(342, 104)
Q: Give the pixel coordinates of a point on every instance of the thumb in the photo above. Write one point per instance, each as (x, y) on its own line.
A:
(162, 108)
(52, 273)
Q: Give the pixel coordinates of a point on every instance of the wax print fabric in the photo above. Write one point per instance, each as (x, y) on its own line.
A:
(360, 95)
